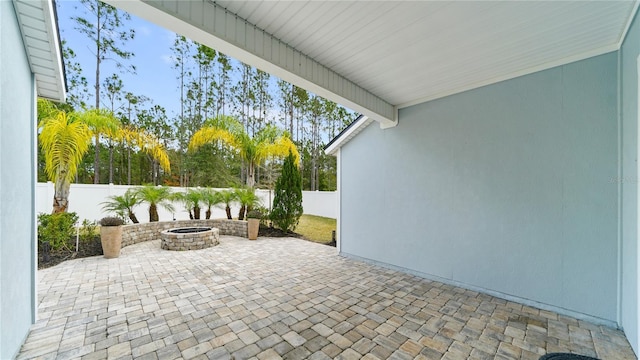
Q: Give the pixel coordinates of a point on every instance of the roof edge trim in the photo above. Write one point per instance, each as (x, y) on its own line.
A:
(55, 44)
(359, 124)
(627, 26)
(51, 37)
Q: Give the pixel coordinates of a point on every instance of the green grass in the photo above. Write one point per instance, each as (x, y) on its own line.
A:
(316, 228)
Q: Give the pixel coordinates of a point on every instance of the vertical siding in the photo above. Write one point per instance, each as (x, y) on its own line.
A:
(509, 188)
(16, 186)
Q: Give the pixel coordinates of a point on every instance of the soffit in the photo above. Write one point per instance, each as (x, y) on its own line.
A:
(40, 35)
(408, 52)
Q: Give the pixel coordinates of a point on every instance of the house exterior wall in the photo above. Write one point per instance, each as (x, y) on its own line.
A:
(17, 219)
(629, 182)
(510, 189)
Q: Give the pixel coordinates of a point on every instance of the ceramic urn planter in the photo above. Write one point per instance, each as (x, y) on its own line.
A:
(253, 224)
(111, 236)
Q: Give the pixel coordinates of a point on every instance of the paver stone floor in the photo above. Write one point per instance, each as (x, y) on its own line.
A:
(284, 298)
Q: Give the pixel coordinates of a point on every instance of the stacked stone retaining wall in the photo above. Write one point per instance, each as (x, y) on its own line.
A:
(189, 241)
(137, 233)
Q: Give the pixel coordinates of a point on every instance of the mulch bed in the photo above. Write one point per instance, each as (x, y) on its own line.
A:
(86, 248)
(268, 231)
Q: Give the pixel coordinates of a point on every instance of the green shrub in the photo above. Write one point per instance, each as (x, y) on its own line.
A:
(88, 231)
(287, 201)
(265, 215)
(56, 229)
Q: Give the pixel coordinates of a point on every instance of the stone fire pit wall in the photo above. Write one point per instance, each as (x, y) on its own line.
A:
(205, 238)
(137, 233)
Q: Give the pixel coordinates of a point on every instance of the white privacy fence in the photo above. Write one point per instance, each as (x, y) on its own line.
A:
(86, 199)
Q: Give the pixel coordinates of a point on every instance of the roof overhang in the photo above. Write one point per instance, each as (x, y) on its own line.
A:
(347, 134)
(378, 56)
(213, 25)
(39, 28)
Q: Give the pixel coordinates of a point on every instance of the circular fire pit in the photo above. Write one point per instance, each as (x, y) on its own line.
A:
(189, 238)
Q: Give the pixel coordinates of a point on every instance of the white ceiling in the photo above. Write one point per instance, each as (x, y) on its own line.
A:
(409, 51)
(40, 34)
(378, 56)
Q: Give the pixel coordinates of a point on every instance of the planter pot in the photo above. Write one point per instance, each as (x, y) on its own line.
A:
(253, 227)
(111, 239)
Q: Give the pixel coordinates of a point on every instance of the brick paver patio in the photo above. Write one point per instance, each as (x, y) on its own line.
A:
(284, 298)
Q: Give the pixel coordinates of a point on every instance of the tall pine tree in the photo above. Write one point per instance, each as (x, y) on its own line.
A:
(287, 202)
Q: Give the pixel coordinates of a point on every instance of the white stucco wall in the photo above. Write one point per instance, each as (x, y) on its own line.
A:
(629, 182)
(17, 129)
(510, 189)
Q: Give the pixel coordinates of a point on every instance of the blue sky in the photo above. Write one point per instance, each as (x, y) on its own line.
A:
(154, 78)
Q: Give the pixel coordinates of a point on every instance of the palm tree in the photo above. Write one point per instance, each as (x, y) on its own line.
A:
(64, 138)
(155, 196)
(227, 197)
(248, 199)
(144, 141)
(123, 204)
(269, 141)
(210, 198)
(191, 200)
(101, 122)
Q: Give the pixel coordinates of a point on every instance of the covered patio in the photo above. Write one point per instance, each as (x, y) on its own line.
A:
(284, 298)
(395, 63)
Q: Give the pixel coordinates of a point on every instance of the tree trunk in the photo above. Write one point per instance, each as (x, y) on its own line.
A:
(61, 196)
(96, 161)
(110, 163)
(228, 210)
(242, 173)
(153, 213)
(208, 214)
(154, 173)
(250, 176)
(315, 133)
(312, 179)
(133, 217)
(241, 213)
(291, 111)
(196, 212)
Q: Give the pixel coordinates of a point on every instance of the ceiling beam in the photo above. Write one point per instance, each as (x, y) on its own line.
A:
(210, 24)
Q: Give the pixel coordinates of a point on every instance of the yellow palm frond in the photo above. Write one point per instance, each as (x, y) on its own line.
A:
(64, 140)
(279, 148)
(269, 141)
(101, 121)
(209, 134)
(128, 135)
(152, 146)
(46, 110)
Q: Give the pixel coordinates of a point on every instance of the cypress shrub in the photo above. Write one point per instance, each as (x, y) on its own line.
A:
(287, 201)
